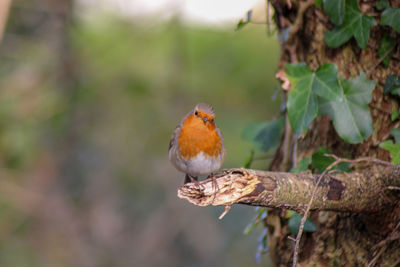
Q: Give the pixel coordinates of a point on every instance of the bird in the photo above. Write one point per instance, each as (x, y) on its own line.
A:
(196, 147)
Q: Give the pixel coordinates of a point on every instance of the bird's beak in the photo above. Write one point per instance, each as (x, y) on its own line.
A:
(205, 119)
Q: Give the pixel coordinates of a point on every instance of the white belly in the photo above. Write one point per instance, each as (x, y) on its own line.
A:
(200, 165)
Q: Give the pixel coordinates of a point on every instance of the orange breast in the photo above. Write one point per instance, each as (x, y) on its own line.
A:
(195, 136)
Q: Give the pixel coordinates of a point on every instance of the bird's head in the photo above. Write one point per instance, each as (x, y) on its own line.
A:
(205, 113)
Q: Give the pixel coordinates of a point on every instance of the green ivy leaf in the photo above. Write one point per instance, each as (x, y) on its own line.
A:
(351, 116)
(318, 3)
(392, 85)
(335, 10)
(262, 213)
(396, 134)
(354, 24)
(249, 160)
(302, 103)
(382, 4)
(326, 84)
(302, 109)
(396, 92)
(301, 166)
(386, 44)
(294, 224)
(321, 162)
(394, 150)
(264, 135)
(262, 245)
(395, 114)
(391, 17)
(323, 82)
(242, 22)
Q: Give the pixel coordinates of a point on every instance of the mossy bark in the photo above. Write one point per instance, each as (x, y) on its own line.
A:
(343, 238)
(366, 191)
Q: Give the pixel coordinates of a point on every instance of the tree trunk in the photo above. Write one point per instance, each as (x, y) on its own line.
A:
(343, 238)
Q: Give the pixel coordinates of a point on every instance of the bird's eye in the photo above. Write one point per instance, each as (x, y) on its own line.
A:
(212, 120)
(196, 113)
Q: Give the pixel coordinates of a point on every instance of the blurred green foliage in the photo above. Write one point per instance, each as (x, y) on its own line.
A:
(319, 161)
(295, 221)
(86, 113)
(264, 135)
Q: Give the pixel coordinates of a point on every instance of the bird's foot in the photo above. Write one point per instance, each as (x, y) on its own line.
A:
(193, 179)
(214, 185)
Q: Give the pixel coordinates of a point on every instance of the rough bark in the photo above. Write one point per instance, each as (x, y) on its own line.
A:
(343, 238)
(371, 190)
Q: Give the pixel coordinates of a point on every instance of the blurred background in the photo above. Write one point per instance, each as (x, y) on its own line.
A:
(90, 94)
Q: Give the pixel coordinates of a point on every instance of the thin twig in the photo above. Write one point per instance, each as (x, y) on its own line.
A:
(380, 60)
(227, 209)
(336, 162)
(358, 160)
(289, 4)
(373, 261)
(303, 220)
(390, 187)
(391, 237)
(383, 245)
(295, 27)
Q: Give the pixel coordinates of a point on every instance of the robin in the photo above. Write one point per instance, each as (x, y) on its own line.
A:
(196, 146)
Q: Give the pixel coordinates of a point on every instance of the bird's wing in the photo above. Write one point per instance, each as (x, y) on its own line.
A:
(174, 135)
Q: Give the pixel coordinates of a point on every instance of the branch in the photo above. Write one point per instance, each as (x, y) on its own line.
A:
(363, 191)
